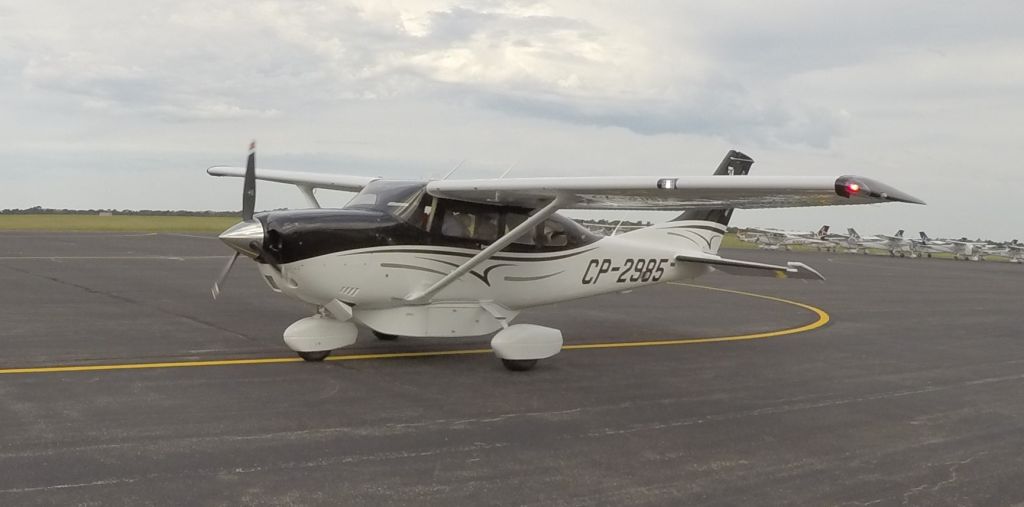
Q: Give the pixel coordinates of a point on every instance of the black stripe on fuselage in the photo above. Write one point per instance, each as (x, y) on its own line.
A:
(467, 254)
(711, 228)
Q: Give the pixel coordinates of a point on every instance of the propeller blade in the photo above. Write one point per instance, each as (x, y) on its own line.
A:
(223, 275)
(249, 185)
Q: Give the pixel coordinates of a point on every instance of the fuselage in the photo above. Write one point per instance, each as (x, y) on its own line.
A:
(370, 256)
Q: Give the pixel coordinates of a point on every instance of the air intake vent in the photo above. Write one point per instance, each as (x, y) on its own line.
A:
(349, 291)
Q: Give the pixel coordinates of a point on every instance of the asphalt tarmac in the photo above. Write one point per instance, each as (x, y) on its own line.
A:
(910, 394)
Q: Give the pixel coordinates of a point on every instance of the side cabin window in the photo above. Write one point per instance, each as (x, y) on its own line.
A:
(550, 233)
(468, 224)
(479, 226)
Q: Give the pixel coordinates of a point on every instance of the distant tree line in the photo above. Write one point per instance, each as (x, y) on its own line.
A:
(39, 210)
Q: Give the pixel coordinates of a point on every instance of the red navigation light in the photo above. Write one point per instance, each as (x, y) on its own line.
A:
(853, 188)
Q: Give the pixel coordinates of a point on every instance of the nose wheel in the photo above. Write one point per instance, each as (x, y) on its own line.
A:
(314, 357)
(384, 336)
(520, 346)
(519, 364)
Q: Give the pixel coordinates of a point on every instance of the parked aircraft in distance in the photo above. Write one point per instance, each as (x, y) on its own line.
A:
(775, 239)
(1012, 251)
(965, 250)
(895, 245)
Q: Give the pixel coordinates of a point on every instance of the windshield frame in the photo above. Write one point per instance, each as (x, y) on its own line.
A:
(400, 199)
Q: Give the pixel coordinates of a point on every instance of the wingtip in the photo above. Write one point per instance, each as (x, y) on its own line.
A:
(811, 273)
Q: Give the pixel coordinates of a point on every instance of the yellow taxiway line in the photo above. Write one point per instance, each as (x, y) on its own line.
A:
(822, 319)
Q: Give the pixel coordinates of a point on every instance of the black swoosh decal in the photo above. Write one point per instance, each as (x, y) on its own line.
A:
(416, 268)
(485, 277)
(530, 278)
(470, 255)
(701, 227)
(691, 239)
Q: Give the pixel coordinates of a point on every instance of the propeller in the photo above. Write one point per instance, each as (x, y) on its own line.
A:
(223, 274)
(245, 237)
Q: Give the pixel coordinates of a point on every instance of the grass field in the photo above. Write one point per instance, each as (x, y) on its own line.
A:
(731, 241)
(116, 223)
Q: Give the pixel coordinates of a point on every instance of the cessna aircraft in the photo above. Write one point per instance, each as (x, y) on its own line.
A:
(1012, 251)
(895, 245)
(965, 250)
(775, 239)
(464, 257)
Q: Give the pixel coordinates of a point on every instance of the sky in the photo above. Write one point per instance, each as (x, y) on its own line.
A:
(124, 104)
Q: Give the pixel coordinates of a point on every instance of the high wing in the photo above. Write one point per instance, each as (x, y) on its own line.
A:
(672, 193)
(301, 179)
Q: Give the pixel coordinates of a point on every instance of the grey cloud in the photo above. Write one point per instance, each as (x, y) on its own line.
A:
(734, 118)
(283, 59)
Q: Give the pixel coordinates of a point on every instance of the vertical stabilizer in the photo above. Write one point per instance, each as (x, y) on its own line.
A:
(734, 164)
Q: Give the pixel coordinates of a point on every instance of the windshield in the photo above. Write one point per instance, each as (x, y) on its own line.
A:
(398, 198)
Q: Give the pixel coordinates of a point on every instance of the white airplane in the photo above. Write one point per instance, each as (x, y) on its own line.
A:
(837, 240)
(1012, 251)
(965, 250)
(775, 239)
(464, 257)
(895, 245)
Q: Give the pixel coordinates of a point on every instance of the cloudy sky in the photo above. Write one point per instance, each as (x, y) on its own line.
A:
(123, 103)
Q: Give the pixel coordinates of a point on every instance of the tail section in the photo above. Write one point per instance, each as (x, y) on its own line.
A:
(822, 232)
(734, 164)
(924, 237)
(853, 234)
(899, 233)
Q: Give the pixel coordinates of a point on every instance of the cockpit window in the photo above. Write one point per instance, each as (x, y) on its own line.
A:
(399, 198)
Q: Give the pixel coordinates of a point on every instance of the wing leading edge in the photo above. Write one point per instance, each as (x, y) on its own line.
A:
(673, 193)
(302, 179)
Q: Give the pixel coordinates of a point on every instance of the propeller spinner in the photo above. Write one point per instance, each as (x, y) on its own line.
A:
(245, 237)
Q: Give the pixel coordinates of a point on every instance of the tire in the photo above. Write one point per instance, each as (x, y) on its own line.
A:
(384, 336)
(519, 364)
(315, 356)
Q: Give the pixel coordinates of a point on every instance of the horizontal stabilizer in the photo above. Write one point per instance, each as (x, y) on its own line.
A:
(748, 268)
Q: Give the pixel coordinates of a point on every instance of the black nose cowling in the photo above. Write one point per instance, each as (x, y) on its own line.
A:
(302, 234)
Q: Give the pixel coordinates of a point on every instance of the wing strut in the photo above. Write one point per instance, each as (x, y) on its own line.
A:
(542, 214)
(307, 192)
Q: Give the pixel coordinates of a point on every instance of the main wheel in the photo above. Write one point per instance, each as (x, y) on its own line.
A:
(316, 356)
(519, 364)
(385, 336)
